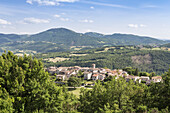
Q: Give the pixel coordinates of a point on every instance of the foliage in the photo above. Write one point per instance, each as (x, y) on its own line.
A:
(118, 96)
(26, 87)
(74, 82)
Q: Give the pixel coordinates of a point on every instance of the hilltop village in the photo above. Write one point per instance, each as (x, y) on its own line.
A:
(93, 73)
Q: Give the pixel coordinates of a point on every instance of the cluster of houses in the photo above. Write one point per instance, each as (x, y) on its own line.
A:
(93, 73)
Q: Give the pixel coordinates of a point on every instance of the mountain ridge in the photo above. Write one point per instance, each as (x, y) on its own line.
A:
(68, 40)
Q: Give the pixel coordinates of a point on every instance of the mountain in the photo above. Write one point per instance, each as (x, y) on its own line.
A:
(65, 37)
(93, 34)
(126, 39)
(5, 38)
(62, 39)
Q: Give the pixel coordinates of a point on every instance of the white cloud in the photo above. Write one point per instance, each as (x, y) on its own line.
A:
(29, 1)
(142, 25)
(34, 21)
(57, 16)
(91, 7)
(88, 30)
(63, 13)
(136, 25)
(64, 19)
(50, 2)
(150, 6)
(106, 4)
(87, 21)
(4, 22)
(133, 26)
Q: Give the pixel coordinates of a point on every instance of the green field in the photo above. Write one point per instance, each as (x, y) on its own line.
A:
(75, 91)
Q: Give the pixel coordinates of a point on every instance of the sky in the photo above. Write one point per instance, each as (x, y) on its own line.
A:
(139, 17)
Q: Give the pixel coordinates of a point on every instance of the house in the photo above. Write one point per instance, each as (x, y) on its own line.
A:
(95, 70)
(61, 77)
(73, 73)
(101, 76)
(76, 67)
(87, 75)
(52, 70)
(110, 74)
(157, 79)
(108, 70)
(102, 71)
(134, 78)
(125, 74)
(85, 69)
(144, 78)
(95, 76)
(61, 69)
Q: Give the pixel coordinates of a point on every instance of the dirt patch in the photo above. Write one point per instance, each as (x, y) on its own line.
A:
(57, 59)
(105, 50)
(78, 54)
(146, 59)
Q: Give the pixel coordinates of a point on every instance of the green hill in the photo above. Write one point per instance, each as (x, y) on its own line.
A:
(71, 38)
(144, 58)
(166, 45)
(62, 39)
(65, 37)
(5, 38)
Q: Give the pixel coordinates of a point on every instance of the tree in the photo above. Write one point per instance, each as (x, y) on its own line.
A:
(160, 93)
(26, 87)
(141, 109)
(6, 105)
(136, 72)
(74, 82)
(116, 95)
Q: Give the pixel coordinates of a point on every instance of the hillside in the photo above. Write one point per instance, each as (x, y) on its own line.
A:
(5, 38)
(71, 38)
(62, 39)
(166, 45)
(145, 58)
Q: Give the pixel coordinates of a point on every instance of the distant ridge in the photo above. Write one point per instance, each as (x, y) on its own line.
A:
(63, 39)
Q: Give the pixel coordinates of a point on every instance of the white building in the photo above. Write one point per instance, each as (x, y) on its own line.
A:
(144, 78)
(87, 75)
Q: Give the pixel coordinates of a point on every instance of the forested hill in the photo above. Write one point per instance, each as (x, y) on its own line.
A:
(166, 45)
(62, 39)
(71, 38)
(147, 59)
(6, 38)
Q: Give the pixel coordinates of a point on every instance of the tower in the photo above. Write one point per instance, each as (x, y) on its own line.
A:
(93, 65)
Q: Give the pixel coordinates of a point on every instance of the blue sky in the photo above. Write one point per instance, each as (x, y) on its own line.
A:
(140, 17)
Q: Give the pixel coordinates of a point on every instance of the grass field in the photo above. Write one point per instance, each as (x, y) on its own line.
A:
(76, 91)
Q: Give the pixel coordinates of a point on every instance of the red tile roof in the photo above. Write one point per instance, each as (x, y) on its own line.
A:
(95, 75)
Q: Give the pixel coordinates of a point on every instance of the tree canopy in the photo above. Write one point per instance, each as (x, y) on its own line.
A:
(26, 87)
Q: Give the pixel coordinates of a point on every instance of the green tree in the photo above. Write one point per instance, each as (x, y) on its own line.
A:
(74, 82)
(24, 81)
(136, 72)
(141, 109)
(6, 105)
